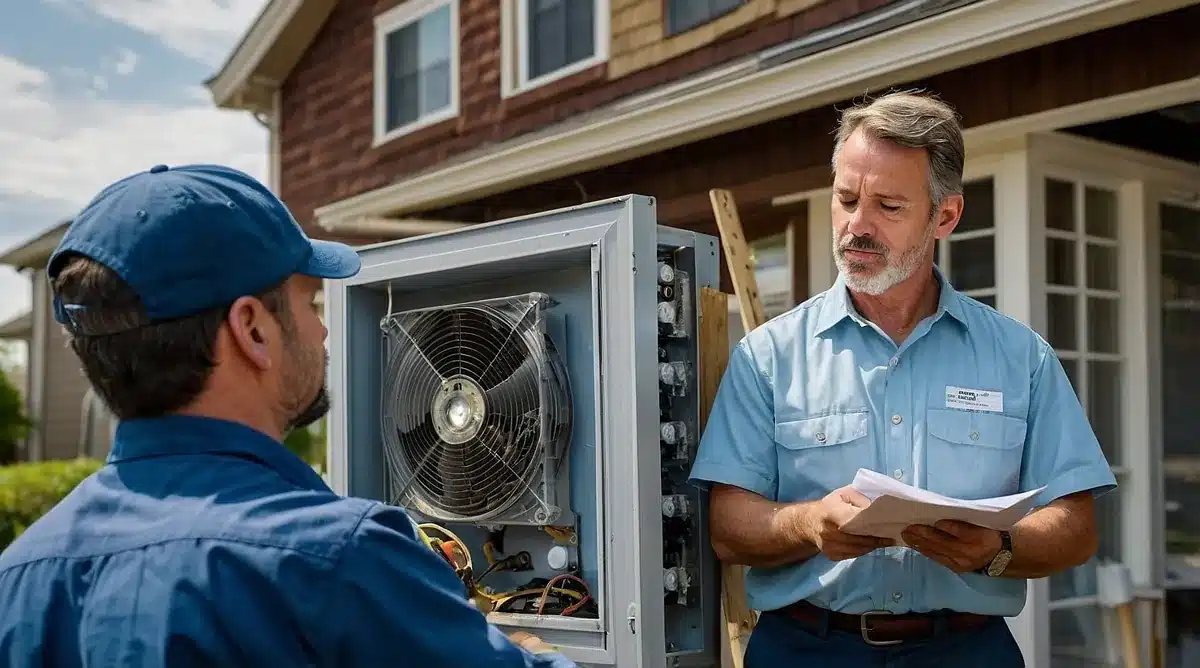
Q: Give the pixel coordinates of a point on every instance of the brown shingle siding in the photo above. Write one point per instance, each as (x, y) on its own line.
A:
(327, 125)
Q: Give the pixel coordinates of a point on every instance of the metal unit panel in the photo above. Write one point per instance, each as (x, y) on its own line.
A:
(599, 262)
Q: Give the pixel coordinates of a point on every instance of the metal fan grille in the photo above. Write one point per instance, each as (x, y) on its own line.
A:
(472, 399)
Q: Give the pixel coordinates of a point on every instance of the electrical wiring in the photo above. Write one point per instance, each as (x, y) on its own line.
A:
(567, 600)
(565, 576)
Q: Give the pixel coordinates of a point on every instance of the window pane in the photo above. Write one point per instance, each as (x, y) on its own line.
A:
(1180, 228)
(1081, 581)
(1062, 331)
(1102, 267)
(1079, 638)
(773, 273)
(1104, 406)
(561, 32)
(979, 206)
(1181, 424)
(1071, 367)
(687, 14)
(1060, 262)
(1060, 205)
(418, 68)
(973, 263)
(990, 300)
(1103, 330)
(1100, 212)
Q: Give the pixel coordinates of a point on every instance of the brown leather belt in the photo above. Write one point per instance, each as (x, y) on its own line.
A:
(879, 627)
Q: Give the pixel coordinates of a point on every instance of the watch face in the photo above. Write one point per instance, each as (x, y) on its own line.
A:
(999, 563)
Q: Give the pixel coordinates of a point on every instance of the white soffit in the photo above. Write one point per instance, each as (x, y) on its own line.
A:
(974, 33)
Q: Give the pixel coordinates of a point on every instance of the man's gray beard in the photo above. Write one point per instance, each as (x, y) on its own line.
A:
(893, 273)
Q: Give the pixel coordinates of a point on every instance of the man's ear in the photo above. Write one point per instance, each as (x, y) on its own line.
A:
(948, 215)
(251, 329)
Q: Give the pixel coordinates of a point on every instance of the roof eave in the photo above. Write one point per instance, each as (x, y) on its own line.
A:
(259, 63)
(34, 254)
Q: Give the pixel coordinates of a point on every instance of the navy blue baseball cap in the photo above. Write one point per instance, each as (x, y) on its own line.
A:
(193, 238)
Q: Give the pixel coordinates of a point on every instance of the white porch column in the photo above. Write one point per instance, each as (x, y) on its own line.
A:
(821, 270)
(1020, 275)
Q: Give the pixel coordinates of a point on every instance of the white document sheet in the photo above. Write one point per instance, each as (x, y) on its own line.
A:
(896, 506)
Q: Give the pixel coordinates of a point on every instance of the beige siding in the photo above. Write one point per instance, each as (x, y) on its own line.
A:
(57, 384)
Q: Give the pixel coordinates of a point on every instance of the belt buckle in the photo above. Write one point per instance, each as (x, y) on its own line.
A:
(865, 628)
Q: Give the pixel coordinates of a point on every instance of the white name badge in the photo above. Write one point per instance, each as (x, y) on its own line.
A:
(975, 400)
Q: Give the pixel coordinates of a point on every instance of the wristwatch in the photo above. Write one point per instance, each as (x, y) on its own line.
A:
(1000, 562)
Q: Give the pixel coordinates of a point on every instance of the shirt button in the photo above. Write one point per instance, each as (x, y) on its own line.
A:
(897, 596)
(974, 436)
(820, 437)
(896, 419)
(898, 474)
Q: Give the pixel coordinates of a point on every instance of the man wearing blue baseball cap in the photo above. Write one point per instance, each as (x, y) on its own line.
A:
(188, 296)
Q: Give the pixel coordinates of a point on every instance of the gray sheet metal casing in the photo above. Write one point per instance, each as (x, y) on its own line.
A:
(619, 238)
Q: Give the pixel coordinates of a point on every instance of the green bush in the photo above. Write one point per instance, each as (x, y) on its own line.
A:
(29, 490)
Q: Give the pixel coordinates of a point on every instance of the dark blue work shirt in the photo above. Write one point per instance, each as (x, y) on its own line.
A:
(206, 543)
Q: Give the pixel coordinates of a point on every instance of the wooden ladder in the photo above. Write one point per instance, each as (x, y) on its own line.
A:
(714, 351)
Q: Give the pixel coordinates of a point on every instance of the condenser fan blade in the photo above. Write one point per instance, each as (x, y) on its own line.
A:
(466, 412)
(516, 394)
(454, 471)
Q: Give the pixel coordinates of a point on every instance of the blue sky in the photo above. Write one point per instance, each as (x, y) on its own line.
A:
(92, 90)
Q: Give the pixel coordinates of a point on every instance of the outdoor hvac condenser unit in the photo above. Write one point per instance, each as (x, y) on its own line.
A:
(527, 390)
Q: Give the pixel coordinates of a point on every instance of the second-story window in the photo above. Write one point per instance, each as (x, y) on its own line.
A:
(684, 15)
(416, 66)
(556, 38)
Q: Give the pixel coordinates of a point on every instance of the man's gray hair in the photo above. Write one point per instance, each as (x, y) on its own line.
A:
(916, 120)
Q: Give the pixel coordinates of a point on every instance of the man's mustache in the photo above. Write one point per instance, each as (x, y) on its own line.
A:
(863, 244)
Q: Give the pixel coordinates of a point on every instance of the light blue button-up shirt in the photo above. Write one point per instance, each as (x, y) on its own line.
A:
(818, 392)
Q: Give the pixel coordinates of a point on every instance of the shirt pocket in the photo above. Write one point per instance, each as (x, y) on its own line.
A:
(973, 455)
(820, 454)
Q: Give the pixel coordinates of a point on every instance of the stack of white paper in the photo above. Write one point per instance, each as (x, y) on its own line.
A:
(896, 506)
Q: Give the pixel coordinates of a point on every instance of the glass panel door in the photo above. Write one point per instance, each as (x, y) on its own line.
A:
(1180, 304)
(1083, 326)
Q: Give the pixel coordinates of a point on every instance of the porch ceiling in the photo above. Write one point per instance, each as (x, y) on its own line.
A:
(1172, 131)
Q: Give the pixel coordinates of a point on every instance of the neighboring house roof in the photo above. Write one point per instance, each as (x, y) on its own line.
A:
(34, 253)
(19, 326)
(267, 53)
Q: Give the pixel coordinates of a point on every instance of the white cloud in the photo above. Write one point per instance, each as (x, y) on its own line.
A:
(127, 60)
(65, 150)
(58, 150)
(201, 29)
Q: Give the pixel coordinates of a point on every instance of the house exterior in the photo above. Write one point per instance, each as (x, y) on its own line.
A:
(1083, 199)
(69, 420)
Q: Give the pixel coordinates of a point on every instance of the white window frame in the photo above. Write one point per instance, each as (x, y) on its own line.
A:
(1141, 180)
(514, 53)
(389, 22)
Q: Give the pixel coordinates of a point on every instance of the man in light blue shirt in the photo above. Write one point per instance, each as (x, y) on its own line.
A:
(887, 371)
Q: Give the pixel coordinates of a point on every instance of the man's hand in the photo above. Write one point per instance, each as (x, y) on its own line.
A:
(829, 515)
(959, 546)
(530, 642)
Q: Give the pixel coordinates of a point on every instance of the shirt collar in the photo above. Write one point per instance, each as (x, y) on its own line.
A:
(837, 305)
(194, 435)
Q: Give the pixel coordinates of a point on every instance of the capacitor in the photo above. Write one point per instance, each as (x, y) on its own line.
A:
(670, 579)
(666, 274)
(666, 313)
(666, 373)
(558, 558)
